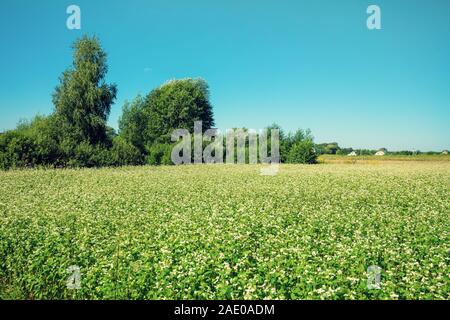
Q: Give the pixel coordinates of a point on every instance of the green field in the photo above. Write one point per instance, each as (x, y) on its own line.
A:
(224, 231)
(329, 158)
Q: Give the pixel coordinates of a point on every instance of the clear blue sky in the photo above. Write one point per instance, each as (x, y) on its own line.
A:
(300, 63)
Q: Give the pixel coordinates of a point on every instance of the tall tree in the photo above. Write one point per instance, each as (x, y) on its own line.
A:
(82, 99)
(176, 105)
(133, 123)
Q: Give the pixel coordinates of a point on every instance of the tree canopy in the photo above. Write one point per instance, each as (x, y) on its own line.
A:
(83, 99)
(177, 104)
(149, 122)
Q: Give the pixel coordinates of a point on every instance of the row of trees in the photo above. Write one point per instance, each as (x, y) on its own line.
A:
(76, 134)
(334, 148)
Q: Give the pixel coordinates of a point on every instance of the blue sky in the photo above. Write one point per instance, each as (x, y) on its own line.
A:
(302, 64)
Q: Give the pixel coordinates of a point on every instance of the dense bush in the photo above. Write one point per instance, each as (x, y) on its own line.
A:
(87, 155)
(42, 143)
(328, 148)
(124, 153)
(30, 144)
(302, 152)
(133, 123)
(35, 144)
(159, 154)
(17, 149)
(299, 148)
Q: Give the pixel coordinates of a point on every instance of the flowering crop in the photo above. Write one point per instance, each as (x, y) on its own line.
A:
(226, 232)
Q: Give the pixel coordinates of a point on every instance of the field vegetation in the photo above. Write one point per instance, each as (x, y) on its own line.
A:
(225, 231)
(331, 158)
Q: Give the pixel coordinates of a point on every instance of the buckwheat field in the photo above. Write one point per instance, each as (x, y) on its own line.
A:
(226, 232)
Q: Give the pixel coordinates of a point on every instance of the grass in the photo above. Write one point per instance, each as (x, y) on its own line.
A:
(328, 158)
(225, 232)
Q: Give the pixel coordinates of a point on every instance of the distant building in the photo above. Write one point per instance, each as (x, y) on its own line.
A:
(380, 153)
(445, 152)
(352, 154)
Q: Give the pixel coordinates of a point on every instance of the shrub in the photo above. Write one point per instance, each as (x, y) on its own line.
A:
(133, 123)
(124, 153)
(17, 150)
(31, 144)
(84, 155)
(159, 154)
(302, 152)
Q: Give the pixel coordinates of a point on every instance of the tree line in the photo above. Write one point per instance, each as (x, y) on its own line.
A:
(334, 148)
(76, 134)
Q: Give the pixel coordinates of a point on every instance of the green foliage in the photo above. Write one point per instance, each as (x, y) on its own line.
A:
(30, 144)
(159, 154)
(403, 153)
(133, 123)
(343, 151)
(76, 135)
(225, 232)
(302, 152)
(365, 152)
(147, 123)
(298, 148)
(124, 153)
(176, 105)
(37, 143)
(328, 148)
(121, 153)
(18, 150)
(87, 155)
(82, 99)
